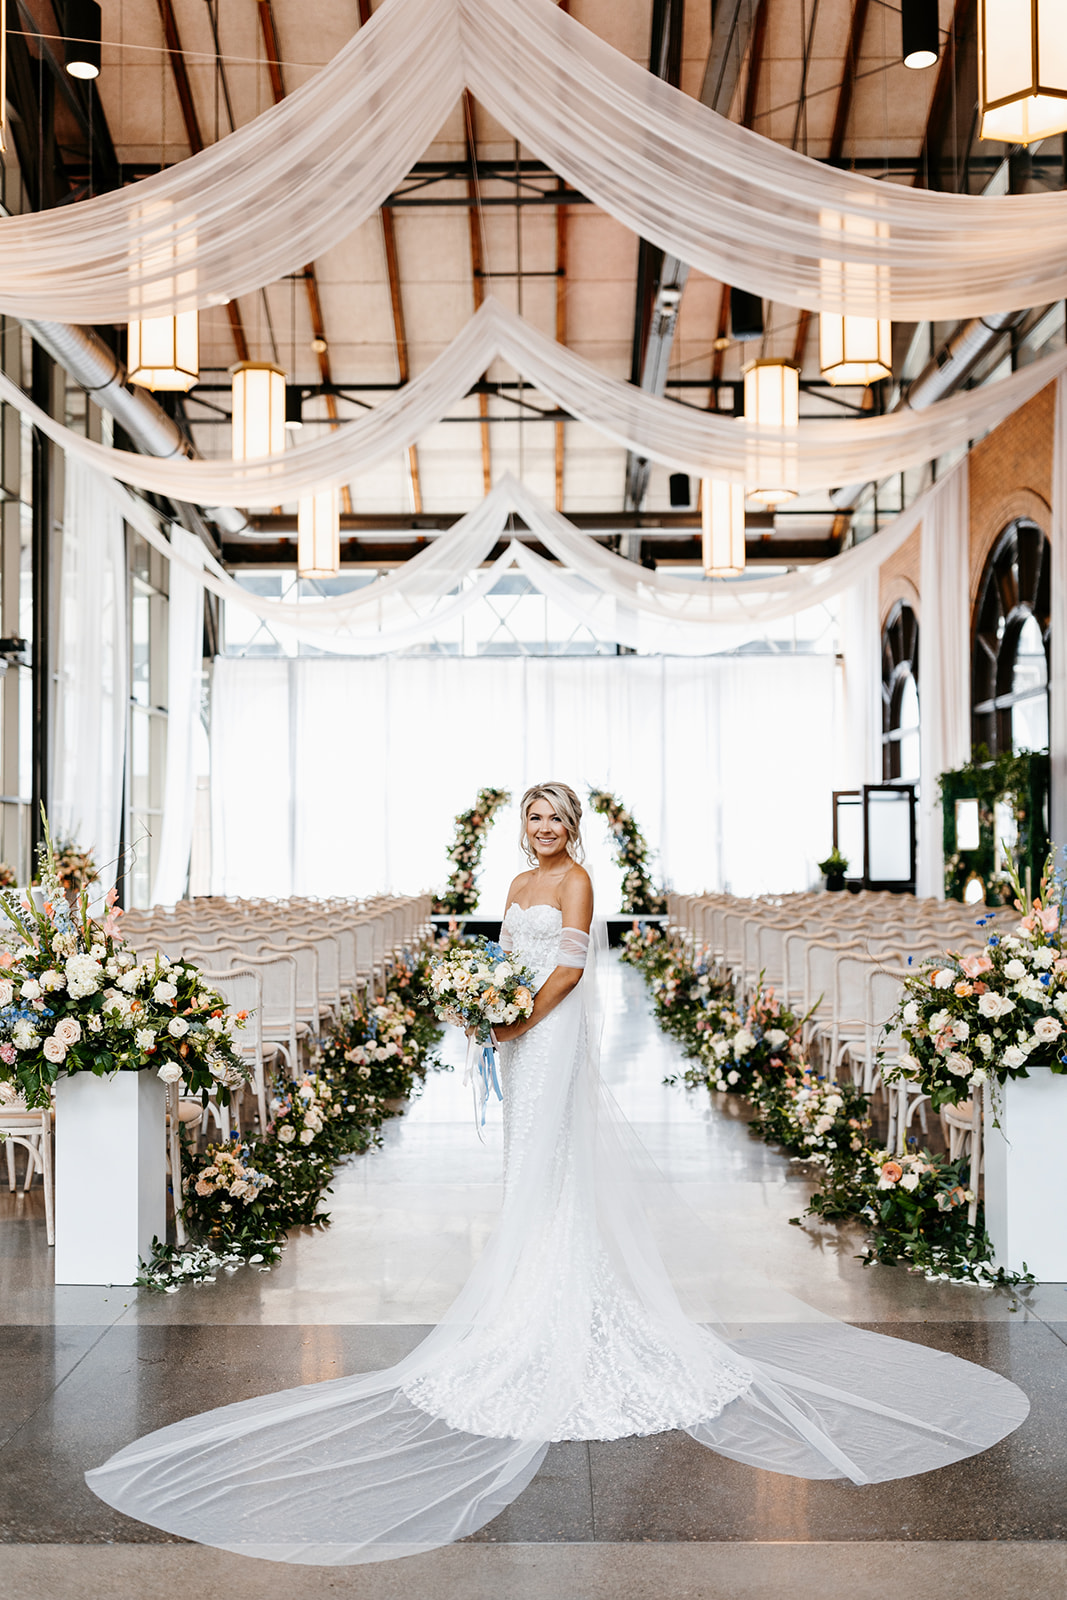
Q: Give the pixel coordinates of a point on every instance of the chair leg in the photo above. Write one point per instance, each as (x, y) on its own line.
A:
(9, 1151)
(174, 1151)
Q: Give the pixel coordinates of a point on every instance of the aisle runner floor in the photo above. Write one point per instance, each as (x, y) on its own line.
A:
(83, 1371)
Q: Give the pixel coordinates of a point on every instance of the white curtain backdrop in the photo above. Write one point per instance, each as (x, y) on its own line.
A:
(1058, 629)
(703, 752)
(302, 176)
(863, 683)
(944, 662)
(92, 673)
(814, 456)
(185, 649)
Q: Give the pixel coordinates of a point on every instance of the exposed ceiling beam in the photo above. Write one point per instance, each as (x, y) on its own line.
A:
(272, 48)
(477, 267)
(561, 312)
(396, 303)
(756, 20)
(842, 110)
(183, 87)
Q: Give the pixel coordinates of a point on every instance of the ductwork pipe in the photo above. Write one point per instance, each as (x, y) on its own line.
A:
(85, 356)
(950, 367)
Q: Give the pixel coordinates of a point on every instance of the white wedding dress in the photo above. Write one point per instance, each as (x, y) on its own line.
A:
(568, 1328)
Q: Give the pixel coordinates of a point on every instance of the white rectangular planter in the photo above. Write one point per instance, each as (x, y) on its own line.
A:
(111, 1183)
(1026, 1175)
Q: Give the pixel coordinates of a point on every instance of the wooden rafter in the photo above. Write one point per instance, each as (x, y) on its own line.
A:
(837, 135)
(477, 268)
(272, 48)
(561, 313)
(179, 71)
(748, 116)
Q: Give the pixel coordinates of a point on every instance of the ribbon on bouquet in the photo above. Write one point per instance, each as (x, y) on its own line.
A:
(480, 1072)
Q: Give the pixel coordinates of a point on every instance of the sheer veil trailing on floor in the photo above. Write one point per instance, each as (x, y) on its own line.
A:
(568, 1328)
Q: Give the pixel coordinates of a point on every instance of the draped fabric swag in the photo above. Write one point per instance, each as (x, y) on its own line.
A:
(92, 673)
(1058, 621)
(944, 662)
(302, 176)
(814, 456)
(185, 653)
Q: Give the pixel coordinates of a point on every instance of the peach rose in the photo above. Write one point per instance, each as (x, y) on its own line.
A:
(892, 1172)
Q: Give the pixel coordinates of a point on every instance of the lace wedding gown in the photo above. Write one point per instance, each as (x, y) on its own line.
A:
(568, 1328)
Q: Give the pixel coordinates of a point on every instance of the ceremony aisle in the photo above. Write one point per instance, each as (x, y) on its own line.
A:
(86, 1370)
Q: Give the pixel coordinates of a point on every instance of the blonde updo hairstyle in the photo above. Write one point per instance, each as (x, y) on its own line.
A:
(567, 806)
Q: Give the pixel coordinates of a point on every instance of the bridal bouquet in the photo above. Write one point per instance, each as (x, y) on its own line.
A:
(74, 997)
(969, 1019)
(477, 985)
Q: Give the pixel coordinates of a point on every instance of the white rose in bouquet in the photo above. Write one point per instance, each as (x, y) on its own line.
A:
(54, 1050)
(1014, 1056)
(68, 1030)
(1047, 1028)
(1014, 970)
(31, 989)
(743, 1042)
(776, 1038)
(985, 1044)
(164, 991)
(995, 1005)
(306, 1135)
(170, 1073)
(943, 979)
(286, 1133)
(177, 1027)
(7, 992)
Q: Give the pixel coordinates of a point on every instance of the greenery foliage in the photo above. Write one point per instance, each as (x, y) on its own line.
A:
(639, 895)
(915, 1207)
(1020, 781)
(465, 852)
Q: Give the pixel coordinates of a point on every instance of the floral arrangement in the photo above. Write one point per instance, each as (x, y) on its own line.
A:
(631, 852)
(1018, 781)
(477, 985)
(971, 1019)
(239, 1201)
(465, 852)
(8, 879)
(75, 998)
(915, 1207)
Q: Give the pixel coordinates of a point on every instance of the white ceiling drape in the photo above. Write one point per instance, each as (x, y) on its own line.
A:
(815, 456)
(303, 175)
(615, 598)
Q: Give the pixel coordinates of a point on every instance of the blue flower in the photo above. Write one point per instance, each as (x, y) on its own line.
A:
(994, 939)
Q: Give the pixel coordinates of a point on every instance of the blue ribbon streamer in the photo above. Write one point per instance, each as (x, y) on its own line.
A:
(481, 1068)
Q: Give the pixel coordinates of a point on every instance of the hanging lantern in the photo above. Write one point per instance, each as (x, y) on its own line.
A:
(318, 523)
(82, 46)
(164, 352)
(920, 33)
(855, 349)
(722, 523)
(1022, 69)
(772, 400)
(258, 410)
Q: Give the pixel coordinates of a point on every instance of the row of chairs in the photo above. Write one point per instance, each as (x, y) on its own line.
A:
(290, 964)
(839, 961)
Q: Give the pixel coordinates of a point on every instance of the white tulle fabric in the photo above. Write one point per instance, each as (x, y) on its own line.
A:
(567, 1328)
(572, 949)
(300, 177)
(814, 456)
(615, 598)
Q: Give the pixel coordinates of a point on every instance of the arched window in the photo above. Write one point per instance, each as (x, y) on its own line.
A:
(900, 695)
(1009, 683)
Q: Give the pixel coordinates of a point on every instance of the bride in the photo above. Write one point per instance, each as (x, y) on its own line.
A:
(568, 1328)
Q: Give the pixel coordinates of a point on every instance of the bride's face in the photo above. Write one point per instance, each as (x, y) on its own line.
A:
(546, 831)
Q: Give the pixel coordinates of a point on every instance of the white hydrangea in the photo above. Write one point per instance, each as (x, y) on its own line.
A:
(24, 1035)
(84, 976)
(910, 1014)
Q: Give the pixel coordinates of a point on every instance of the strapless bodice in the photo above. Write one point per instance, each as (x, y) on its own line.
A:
(534, 934)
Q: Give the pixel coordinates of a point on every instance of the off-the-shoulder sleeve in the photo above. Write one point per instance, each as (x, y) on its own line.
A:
(573, 948)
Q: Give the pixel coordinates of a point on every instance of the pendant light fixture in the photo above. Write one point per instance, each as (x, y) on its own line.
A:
(855, 349)
(722, 525)
(318, 523)
(1022, 69)
(772, 400)
(258, 410)
(81, 47)
(920, 33)
(164, 352)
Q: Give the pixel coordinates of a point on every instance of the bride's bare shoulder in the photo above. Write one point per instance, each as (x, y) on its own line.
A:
(517, 886)
(576, 897)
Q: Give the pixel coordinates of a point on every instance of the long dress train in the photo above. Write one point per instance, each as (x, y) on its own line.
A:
(568, 1328)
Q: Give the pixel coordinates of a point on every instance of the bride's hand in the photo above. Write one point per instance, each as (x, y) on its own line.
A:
(513, 1030)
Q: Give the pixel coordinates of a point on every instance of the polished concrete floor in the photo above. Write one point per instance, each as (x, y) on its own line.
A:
(83, 1371)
